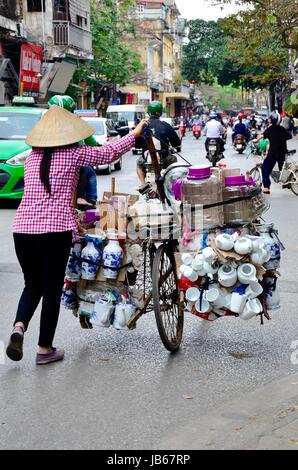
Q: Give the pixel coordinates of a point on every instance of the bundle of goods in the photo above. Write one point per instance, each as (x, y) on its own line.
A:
(228, 261)
(101, 271)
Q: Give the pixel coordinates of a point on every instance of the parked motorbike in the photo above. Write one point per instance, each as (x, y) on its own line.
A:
(240, 143)
(214, 154)
(196, 130)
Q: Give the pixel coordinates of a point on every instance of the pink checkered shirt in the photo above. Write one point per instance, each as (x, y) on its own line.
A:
(41, 213)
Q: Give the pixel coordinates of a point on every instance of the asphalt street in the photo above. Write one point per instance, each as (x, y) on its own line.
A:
(232, 384)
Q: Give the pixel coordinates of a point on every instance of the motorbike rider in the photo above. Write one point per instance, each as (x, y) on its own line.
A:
(278, 137)
(214, 130)
(167, 136)
(240, 128)
(196, 120)
(87, 185)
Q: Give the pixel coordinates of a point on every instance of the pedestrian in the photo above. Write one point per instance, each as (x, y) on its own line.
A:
(45, 220)
(278, 137)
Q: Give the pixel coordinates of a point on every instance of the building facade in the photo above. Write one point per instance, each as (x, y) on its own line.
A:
(61, 28)
(161, 33)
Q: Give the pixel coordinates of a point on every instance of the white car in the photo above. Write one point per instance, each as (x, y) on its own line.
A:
(104, 134)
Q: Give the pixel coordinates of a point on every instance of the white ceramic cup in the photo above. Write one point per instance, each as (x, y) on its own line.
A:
(224, 242)
(227, 275)
(210, 268)
(197, 266)
(238, 302)
(182, 268)
(190, 274)
(209, 254)
(228, 299)
(192, 295)
(215, 297)
(187, 259)
(203, 306)
(243, 246)
(254, 290)
(259, 257)
(252, 308)
(247, 273)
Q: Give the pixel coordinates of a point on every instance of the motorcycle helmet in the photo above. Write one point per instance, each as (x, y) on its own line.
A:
(155, 108)
(64, 101)
(213, 115)
(275, 118)
(173, 173)
(240, 116)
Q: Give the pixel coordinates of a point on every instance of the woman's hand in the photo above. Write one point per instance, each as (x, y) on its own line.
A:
(138, 131)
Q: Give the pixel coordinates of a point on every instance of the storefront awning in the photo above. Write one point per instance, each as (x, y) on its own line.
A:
(177, 96)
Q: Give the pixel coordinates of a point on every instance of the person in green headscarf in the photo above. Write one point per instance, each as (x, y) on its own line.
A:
(87, 186)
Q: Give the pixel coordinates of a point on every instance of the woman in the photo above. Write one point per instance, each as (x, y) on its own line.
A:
(278, 137)
(45, 219)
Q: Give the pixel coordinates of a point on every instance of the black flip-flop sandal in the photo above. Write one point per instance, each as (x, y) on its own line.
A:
(15, 347)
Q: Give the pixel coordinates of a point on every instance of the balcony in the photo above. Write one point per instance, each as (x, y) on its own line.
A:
(67, 34)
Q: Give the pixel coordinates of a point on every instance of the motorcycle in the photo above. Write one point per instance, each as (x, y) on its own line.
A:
(240, 143)
(214, 154)
(196, 130)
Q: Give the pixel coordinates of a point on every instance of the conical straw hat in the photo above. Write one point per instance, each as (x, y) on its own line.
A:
(57, 128)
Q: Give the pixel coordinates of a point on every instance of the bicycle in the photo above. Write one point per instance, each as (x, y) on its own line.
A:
(288, 176)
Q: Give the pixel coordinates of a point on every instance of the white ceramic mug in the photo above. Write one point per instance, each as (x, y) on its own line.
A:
(227, 275)
(259, 257)
(203, 306)
(254, 290)
(190, 274)
(197, 266)
(238, 302)
(209, 255)
(243, 246)
(215, 297)
(187, 259)
(224, 242)
(192, 295)
(210, 268)
(252, 308)
(247, 273)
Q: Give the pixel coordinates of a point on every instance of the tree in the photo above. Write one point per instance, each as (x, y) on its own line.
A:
(255, 42)
(283, 17)
(114, 62)
(205, 56)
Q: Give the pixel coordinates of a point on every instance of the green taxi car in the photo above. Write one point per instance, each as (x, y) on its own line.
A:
(15, 124)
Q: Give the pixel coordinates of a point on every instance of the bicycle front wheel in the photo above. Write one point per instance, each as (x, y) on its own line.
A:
(294, 183)
(256, 174)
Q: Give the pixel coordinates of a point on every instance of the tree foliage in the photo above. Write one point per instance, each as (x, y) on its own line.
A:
(114, 62)
(281, 15)
(205, 56)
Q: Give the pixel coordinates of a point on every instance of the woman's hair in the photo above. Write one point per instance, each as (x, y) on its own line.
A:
(45, 167)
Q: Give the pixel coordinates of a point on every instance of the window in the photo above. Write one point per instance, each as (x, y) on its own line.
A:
(16, 126)
(80, 20)
(140, 9)
(36, 5)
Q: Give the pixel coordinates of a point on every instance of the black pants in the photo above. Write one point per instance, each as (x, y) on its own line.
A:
(43, 259)
(268, 165)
